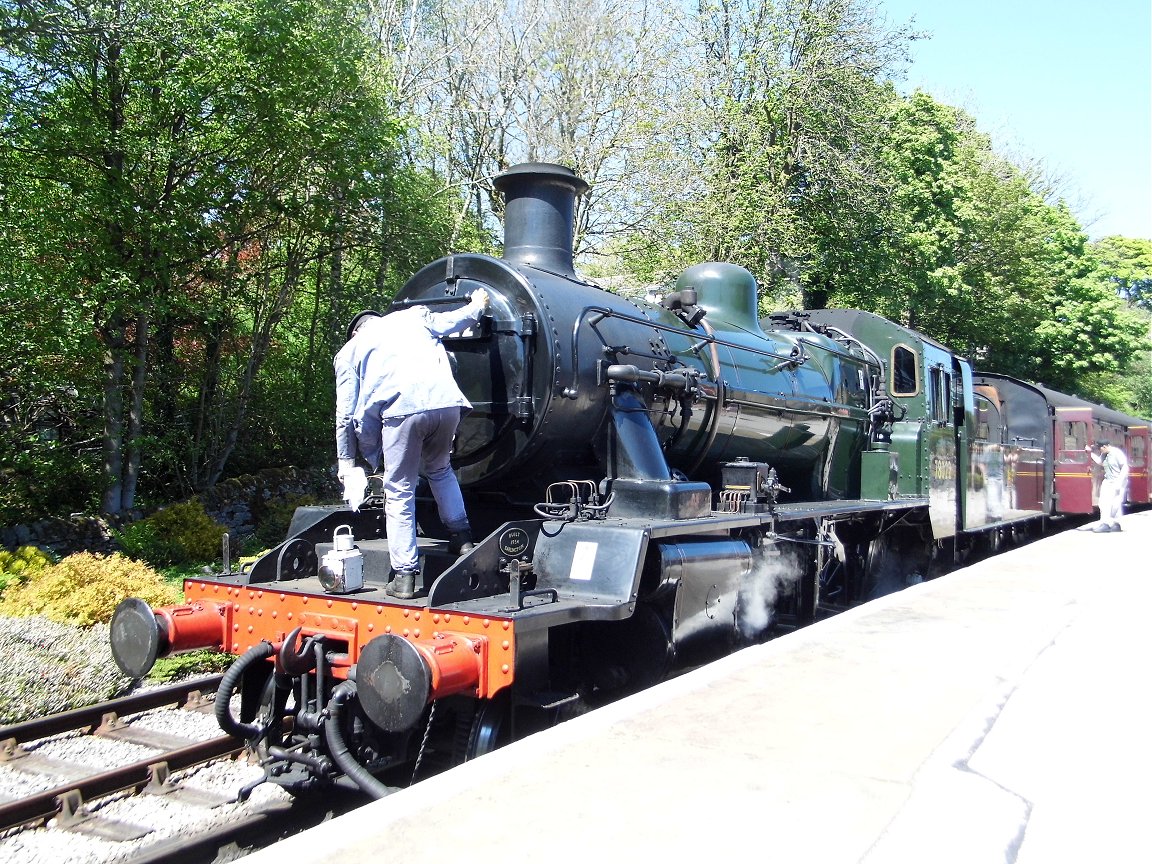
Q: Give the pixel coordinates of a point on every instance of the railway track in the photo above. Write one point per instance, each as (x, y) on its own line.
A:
(65, 802)
(144, 778)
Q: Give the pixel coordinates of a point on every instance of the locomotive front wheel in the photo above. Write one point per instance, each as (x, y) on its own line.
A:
(895, 560)
(491, 727)
(880, 564)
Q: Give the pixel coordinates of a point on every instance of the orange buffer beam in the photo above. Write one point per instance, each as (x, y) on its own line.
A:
(263, 613)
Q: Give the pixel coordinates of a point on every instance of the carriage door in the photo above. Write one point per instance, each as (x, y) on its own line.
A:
(1074, 492)
(1138, 491)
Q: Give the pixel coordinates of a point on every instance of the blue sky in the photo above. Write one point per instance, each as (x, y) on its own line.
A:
(1068, 83)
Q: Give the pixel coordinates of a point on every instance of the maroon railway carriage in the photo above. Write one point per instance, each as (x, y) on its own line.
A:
(1038, 419)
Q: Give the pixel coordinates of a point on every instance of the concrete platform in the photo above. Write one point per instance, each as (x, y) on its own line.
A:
(1000, 713)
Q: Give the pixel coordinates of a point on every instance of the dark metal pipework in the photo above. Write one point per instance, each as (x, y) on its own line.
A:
(540, 201)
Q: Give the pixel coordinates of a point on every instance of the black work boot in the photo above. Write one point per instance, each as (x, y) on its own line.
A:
(460, 542)
(403, 585)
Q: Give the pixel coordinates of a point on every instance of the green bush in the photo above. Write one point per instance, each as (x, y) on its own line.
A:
(84, 589)
(179, 534)
(16, 567)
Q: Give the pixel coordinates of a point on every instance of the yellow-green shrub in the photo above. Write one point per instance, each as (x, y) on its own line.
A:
(84, 589)
(19, 565)
(178, 534)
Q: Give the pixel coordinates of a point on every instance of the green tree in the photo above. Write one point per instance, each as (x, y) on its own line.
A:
(955, 256)
(970, 252)
(779, 122)
(190, 188)
(1127, 263)
(1085, 343)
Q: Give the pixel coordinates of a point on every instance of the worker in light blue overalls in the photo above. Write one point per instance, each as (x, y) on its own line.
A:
(397, 403)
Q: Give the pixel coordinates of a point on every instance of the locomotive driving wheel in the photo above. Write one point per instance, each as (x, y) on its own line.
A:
(895, 559)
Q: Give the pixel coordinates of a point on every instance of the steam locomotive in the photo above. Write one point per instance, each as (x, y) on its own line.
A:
(657, 482)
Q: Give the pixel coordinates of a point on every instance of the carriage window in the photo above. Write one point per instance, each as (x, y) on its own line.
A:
(1136, 445)
(905, 374)
(1074, 435)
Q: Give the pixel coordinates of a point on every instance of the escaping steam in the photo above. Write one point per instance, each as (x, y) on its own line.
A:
(772, 571)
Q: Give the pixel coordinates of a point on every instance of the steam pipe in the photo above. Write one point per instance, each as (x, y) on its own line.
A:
(622, 372)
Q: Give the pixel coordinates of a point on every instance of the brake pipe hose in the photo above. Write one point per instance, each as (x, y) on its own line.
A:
(338, 748)
(249, 732)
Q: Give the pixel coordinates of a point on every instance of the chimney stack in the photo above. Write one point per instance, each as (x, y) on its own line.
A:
(540, 205)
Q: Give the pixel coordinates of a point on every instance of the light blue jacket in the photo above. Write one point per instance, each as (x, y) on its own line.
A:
(394, 366)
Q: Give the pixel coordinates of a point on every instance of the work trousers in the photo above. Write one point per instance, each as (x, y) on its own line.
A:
(410, 443)
(1111, 501)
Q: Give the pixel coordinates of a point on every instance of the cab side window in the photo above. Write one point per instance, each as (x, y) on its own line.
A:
(940, 395)
(905, 372)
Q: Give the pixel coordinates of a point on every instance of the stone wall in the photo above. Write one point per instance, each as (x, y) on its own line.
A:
(243, 503)
(62, 536)
(240, 504)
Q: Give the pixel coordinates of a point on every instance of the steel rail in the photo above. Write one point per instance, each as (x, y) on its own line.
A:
(93, 715)
(252, 831)
(45, 805)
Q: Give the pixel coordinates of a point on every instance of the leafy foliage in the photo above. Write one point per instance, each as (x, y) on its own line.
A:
(190, 189)
(784, 104)
(972, 255)
(1127, 264)
(1124, 267)
(84, 589)
(177, 534)
(20, 564)
(180, 666)
(1138, 383)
